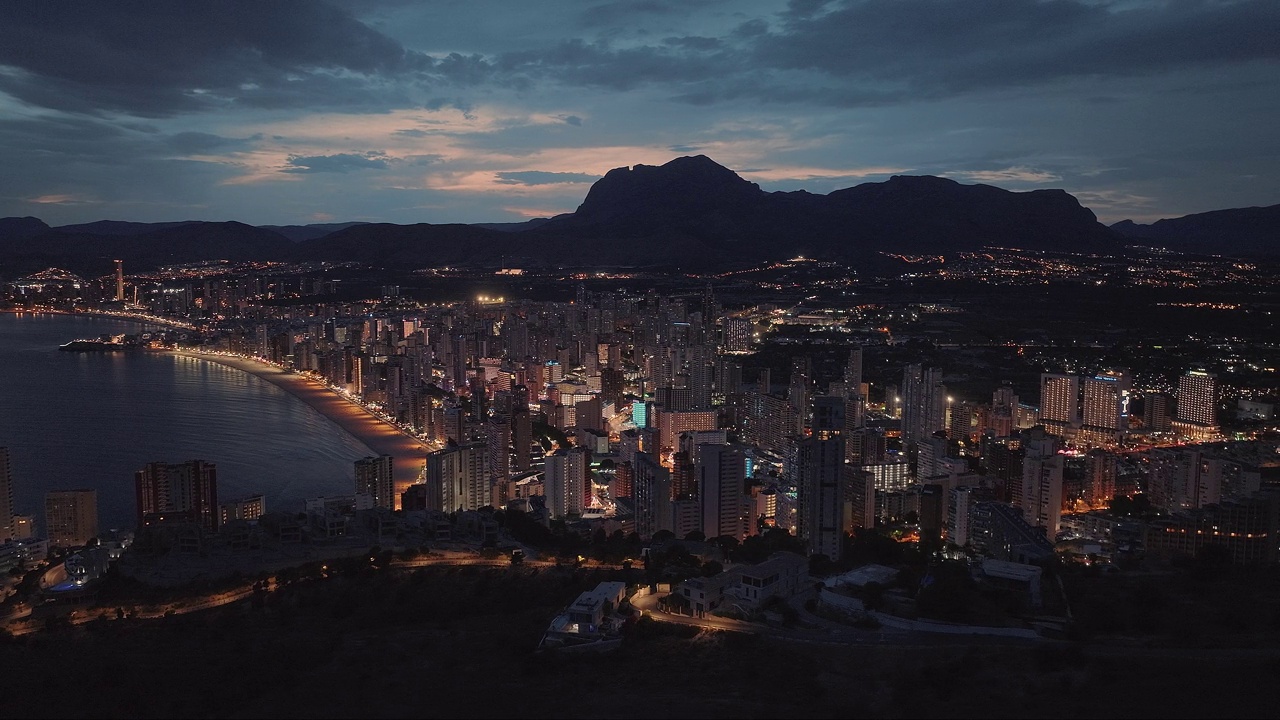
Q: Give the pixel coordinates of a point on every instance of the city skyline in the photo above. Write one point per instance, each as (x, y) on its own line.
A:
(434, 112)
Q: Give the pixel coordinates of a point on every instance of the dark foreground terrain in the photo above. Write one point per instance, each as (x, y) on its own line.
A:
(459, 642)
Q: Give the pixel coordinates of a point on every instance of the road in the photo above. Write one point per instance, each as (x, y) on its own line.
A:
(814, 629)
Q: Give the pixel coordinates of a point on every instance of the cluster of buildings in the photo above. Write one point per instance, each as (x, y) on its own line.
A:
(631, 412)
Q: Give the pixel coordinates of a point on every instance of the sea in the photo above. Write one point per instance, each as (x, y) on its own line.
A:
(75, 420)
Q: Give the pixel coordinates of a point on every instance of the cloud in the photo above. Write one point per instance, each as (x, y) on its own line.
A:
(158, 59)
(339, 163)
(538, 177)
(63, 200)
(1009, 174)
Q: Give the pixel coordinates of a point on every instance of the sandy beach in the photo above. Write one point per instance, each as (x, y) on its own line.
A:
(381, 437)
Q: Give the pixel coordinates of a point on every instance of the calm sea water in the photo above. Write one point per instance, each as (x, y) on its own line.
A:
(90, 420)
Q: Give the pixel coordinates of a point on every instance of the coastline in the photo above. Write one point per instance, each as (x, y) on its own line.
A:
(382, 438)
(108, 314)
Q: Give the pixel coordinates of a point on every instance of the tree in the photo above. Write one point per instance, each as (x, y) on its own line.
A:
(712, 568)
(696, 536)
(873, 595)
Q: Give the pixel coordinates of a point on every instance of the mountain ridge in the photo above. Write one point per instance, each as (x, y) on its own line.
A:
(690, 212)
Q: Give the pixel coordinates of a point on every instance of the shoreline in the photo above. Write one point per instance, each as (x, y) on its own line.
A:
(110, 315)
(380, 437)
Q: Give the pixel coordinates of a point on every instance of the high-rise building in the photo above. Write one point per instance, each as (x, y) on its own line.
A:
(1042, 475)
(1157, 412)
(699, 369)
(71, 517)
(456, 480)
(178, 493)
(1003, 417)
(1059, 403)
(651, 492)
(737, 334)
(613, 386)
(567, 482)
(721, 473)
(6, 497)
(588, 415)
(374, 477)
(1198, 399)
(819, 480)
(1105, 406)
(671, 424)
(853, 371)
(119, 280)
(498, 446)
(924, 403)
(1099, 478)
(799, 385)
(522, 439)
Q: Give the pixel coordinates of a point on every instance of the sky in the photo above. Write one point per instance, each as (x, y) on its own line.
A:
(503, 110)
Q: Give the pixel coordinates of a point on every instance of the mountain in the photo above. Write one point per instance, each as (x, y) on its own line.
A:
(92, 254)
(690, 212)
(1242, 231)
(695, 200)
(302, 233)
(21, 228)
(118, 227)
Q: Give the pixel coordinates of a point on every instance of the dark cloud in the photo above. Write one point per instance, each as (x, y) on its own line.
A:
(942, 47)
(157, 59)
(614, 13)
(537, 177)
(199, 143)
(875, 52)
(339, 163)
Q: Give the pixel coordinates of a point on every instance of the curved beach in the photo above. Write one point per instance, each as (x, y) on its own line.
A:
(380, 437)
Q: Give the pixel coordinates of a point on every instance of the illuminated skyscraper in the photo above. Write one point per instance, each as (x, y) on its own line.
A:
(1059, 403)
(6, 497)
(1105, 406)
(119, 280)
(374, 477)
(1198, 398)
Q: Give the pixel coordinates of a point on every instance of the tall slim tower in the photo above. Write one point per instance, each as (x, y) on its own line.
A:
(6, 497)
(651, 491)
(924, 403)
(819, 472)
(119, 280)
